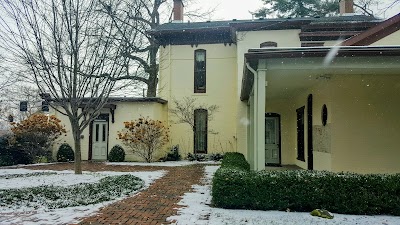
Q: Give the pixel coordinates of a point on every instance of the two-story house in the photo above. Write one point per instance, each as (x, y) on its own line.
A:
(287, 92)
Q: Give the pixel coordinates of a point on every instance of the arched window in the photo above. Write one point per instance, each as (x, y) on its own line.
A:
(200, 130)
(200, 71)
(268, 44)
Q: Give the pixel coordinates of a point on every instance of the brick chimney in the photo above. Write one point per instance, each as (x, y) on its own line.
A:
(346, 7)
(178, 11)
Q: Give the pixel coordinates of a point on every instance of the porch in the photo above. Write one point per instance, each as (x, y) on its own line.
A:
(316, 111)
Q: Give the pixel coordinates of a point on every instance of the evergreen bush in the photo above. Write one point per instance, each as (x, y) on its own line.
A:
(173, 154)
(65, 153)
(117, 154)
(303, 190)
(235, 159)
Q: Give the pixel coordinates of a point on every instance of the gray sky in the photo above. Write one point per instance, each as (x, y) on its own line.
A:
(239, 9)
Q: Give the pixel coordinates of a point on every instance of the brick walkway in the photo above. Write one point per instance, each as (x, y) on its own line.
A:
(151, 206)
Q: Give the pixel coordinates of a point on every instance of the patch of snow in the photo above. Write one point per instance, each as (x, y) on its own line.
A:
(166, 164)
(62, 178)
(196, 210)
(28, 165)
(68, 215)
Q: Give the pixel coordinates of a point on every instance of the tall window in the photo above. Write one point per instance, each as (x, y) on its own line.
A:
(200, 130)
(200, 71)
(300, 134)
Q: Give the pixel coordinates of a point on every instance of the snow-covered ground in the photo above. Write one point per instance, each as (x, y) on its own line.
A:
(166, 164)
(63, 178)
(197, 211)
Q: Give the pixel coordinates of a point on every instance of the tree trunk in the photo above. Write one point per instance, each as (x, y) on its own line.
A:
(77, 142)
(152, 89)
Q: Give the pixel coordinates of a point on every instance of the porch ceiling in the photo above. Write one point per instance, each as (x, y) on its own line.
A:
(287, 77)
(289, 70)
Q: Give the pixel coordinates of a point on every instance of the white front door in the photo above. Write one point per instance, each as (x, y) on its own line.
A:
(99, 140)
(272, 141)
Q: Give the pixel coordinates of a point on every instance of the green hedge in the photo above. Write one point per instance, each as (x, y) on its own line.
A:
(235, 159)
(117, 154)
(303, 190)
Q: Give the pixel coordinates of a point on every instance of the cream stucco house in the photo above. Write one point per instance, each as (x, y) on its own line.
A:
(287, 93)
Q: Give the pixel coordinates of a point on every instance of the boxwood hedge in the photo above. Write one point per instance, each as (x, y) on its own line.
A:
(303, 190)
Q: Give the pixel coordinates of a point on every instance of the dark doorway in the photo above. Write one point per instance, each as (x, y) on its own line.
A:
(200, 131)
(310, 155)
(300, 133)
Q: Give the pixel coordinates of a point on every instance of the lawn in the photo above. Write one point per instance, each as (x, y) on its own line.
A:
(50, 197)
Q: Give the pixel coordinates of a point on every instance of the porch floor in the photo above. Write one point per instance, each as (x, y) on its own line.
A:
(284, 167)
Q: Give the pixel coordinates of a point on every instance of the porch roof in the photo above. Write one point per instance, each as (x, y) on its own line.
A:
(254, 55)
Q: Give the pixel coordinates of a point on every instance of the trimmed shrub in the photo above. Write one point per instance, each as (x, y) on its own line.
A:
(216, 157)
(6, 155)
(196, 157)
(173, 154)
(65, 153)
(303, 190)
(117, 154)
(235, 159)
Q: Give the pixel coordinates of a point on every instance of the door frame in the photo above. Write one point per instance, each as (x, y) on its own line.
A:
(276, 115)
(101, 117)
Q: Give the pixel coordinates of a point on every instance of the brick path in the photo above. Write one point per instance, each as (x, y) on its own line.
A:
(151, 206)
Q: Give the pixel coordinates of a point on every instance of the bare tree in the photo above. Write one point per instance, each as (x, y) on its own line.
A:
(72, 52)
(184, 111)
(134, 20)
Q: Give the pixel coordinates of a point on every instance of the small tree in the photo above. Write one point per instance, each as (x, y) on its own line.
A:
(184, 111)
(35, 135)
(144, 137)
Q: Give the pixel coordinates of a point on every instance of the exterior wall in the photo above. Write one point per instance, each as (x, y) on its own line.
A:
(362, 130)
(392, 39)
(366, 124)
(247, 40)
(286, 107)
(125, 111)
(177, 82)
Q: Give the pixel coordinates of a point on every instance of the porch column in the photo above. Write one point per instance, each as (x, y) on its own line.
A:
(259, 119)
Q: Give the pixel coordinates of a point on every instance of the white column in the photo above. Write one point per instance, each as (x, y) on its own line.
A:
(259, 120)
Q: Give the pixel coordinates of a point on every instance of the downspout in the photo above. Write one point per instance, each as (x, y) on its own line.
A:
(169, 82)
(253, 71)
(251, 143)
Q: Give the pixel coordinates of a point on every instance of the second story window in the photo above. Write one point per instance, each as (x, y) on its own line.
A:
(200, 71)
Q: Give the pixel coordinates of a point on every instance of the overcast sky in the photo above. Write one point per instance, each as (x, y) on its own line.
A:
(239, 9)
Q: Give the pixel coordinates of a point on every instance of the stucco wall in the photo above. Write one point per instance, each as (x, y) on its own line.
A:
(247, 40)
(392, 39)
(177, 81)
(286, 107)
(363, 126)
(366, 124)
(125, 111)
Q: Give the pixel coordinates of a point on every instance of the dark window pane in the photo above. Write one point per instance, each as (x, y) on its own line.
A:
(97, 132)
(200, 134)
(200, 71)
(104, 132)
(300, 134)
